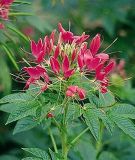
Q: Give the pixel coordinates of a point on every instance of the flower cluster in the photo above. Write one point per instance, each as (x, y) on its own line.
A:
(72, 91)
(4, 10)
(65, 56)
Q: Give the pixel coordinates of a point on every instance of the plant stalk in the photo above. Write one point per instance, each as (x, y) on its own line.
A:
(53, 141)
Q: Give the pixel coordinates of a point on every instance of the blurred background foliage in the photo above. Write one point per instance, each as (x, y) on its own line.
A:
(113, 19)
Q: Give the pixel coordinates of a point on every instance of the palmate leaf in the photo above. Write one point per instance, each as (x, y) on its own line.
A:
(93, 122)
(106, 99)
(124, 110)
(25, 124)
(9, 108)
(38, 153)
(106, 120)
(94, 100)
(16, 98)
(74, 111)
(24, 110)
(125, 124)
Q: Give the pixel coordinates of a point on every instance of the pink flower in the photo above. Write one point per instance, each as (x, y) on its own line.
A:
(55, 65)
(66, 36)
(95, 44)
(75, 90)
(102, 73)
(38, 50)
(80, 39)
(35, 74)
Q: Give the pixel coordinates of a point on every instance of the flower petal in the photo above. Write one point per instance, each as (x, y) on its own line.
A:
(55, 65)
(65, 64)
(95, 44)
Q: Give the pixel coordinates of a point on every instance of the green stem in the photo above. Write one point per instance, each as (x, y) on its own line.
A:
(64, 132)
(64, 142)
(53, 141)
(78, 137)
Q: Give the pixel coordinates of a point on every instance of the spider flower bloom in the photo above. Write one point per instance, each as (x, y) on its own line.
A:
(66, 36)
(35, 74)
(64, 55)
(102, 73)
(72, 91)
(38, 50)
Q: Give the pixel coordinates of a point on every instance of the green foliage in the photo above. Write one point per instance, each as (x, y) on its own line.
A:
(5, 78)
(38, 153)
(107, 156)
(93, 122)
(25, 124)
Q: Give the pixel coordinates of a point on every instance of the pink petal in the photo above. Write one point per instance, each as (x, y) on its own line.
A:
(65, 64)
(61, 29)
(55, 65)
(52, 36)
(103, 90)
(93, 63)
(73, 88)
(95, 44)
(100, 75)
(80, 62)
(69, 73)
(39, 45)
(109, 67)
(33, 72)
(33, 48)
(29, 81)
(69, 93)
(73, 56)
(81, 93)
(80, 39)
(103, 56)
(56, 52)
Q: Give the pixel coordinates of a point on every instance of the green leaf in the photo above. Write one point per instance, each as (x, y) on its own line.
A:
(5, 78)
(93, 122)
(106, 99)
(74, 111)
(9, 53)
(124, 110)
(126, 125)
(19, 33)
(94, 100)
(105, 119)
(107, 156)
(55, 156)
(38, 153)
(24, 111)
(9, 108)
(16, 98)
(25, 124)
(32, 158)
